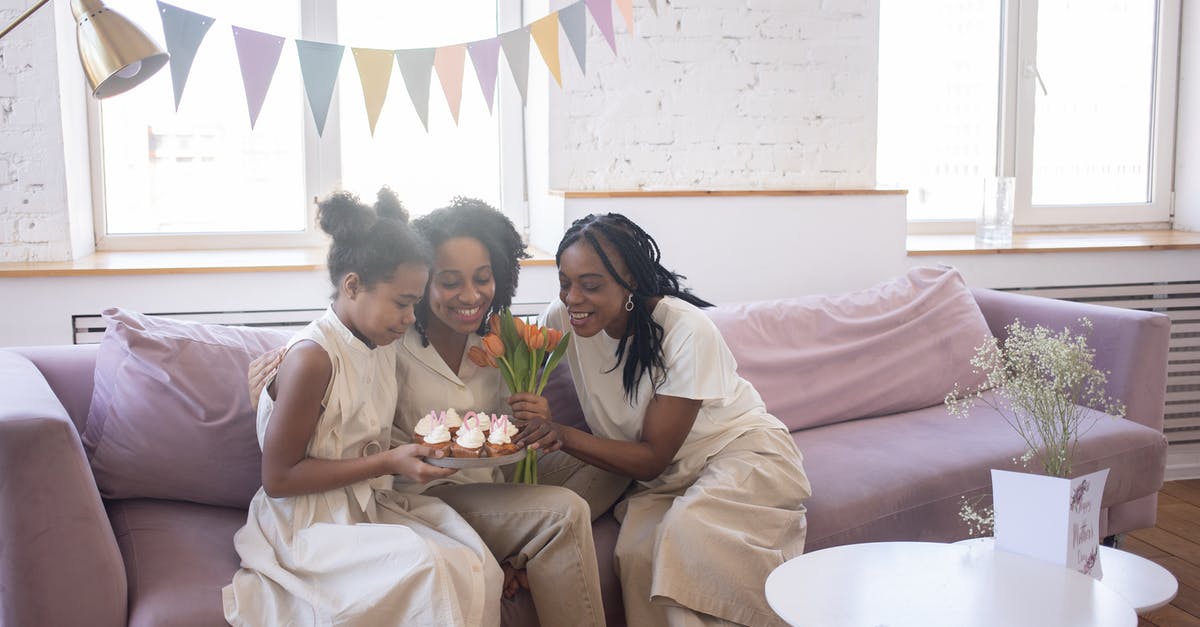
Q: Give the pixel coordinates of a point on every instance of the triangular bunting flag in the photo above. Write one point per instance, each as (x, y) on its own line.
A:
(375, 72)
(626, 7)
(545, 35)
(485, 57)
(416, 66)
(319, 64)
(258, 55)
(516, 51)
(654, 6)
(183, 31)
(574, 24)
(448, 61)
(602, 14)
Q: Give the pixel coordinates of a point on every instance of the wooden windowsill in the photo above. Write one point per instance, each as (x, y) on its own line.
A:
(1056, 242)
(691, 193)
(112, 263)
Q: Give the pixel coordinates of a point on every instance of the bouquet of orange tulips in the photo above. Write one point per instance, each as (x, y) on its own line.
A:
(525, 354)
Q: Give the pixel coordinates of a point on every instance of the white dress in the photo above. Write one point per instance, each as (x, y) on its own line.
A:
(363, 554)
(735, 487)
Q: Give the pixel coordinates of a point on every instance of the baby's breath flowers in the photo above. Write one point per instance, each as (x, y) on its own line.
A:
(1041, 383)
(1047, 381)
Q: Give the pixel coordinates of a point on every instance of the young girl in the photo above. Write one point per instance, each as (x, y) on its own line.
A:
(718, 503)
(541, 534)
(327, 541)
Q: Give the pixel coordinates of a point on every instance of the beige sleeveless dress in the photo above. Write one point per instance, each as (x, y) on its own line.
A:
(363, 554)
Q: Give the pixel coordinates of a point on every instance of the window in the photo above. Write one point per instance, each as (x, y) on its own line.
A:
(200, 177)
(1074, 98)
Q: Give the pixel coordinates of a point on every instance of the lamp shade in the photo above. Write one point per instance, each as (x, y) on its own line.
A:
(116, 54)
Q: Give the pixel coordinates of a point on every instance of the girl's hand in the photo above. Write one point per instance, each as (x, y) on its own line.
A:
(406, 460)
(540, 434)
(528, 406)
(261, 369)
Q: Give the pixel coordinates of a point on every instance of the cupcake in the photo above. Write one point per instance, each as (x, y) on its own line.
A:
(469, 440)
(485, 421)
(499, 441)
(438, 436)
(453, 421)
(423, 426)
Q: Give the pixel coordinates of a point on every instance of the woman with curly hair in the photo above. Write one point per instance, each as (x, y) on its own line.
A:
(542, 534)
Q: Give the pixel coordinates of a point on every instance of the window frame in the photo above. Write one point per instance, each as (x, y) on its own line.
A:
(1015, 131)
(322, 158)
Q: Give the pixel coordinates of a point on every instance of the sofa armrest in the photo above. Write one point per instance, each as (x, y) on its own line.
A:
(1130, 345)
(59, 561)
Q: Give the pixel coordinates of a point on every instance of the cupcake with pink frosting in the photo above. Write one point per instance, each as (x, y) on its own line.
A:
(499, 441)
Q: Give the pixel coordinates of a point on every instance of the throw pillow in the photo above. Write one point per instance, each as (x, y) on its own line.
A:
(897, 346)
(170, 416)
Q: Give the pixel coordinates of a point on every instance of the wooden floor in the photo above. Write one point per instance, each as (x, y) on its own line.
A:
(1174, 542)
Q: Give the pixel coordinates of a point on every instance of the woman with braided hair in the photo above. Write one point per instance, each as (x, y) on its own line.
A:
(720, 485)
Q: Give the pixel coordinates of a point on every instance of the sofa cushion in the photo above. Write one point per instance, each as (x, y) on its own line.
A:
(894, 347)
(902, 477)
(170, 416)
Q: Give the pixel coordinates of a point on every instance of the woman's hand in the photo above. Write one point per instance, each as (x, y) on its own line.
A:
(406, 460)
(528, 406)
(261, 369)
(540, 434)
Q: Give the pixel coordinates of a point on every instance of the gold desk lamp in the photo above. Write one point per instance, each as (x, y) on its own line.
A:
(116, 55)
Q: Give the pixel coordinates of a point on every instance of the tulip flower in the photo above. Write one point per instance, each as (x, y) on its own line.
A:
(519, 349)
(494, 345)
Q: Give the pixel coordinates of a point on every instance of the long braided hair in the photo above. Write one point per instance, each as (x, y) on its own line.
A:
(471, 217)
(643, 337)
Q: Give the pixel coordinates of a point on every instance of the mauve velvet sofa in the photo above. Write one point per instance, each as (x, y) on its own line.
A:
(858, 377)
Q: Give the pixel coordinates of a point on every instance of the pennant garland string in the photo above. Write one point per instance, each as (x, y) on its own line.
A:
(259, 53)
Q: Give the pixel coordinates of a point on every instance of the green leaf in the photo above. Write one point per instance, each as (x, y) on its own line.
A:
(555, 357)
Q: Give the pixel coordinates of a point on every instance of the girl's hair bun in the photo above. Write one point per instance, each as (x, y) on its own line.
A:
(388, 205)
(343, 216)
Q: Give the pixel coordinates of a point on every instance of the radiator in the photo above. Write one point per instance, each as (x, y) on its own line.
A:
(1180, 301)
(89, 328)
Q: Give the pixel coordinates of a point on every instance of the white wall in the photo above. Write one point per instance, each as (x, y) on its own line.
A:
(43, 139)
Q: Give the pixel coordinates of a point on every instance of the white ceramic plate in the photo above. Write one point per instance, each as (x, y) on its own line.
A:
(476, 462)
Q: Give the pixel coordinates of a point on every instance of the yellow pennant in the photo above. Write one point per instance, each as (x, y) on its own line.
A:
(545, 34)
(375, 72)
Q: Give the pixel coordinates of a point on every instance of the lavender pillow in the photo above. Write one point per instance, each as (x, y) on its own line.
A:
(897, 346)
(170, 416)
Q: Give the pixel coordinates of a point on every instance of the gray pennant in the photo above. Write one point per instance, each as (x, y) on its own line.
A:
(574, 24)
(183, 30)
(319, 65)
(516, 50)
(416, 66)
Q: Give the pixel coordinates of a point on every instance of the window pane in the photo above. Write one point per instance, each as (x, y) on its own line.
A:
(203, 169)
(939, 78)
(1092, 126)
(426, 169)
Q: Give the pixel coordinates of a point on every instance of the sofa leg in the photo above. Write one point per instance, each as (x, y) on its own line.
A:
(1113, 541)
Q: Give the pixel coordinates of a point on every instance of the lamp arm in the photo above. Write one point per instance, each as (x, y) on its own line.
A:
(33, 9)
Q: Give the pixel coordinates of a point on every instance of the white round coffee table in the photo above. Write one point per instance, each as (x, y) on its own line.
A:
(1146, 585)
(926, 584)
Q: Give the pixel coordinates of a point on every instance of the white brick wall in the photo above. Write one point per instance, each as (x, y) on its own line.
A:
(736, 94)
(34, 222)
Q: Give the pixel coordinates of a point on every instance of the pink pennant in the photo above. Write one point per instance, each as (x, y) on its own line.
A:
(485, 57)
(601, 11)
(258, 55)
(626, 7)
(448, 62)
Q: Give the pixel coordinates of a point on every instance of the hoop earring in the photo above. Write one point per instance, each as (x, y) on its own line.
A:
(629, 302)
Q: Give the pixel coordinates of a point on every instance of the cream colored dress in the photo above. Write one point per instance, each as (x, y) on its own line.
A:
(735, 488)
(363, 554)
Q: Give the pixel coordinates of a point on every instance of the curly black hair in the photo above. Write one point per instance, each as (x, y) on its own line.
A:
(643, 336)
(471, 217)
(369, 241)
